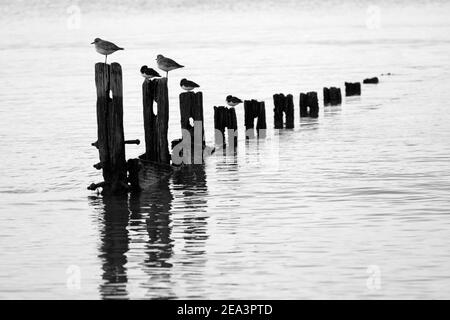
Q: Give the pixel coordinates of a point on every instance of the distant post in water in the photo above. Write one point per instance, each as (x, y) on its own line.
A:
(309, 105)
(332, 96)
(284, 105)
(156, 125)
(191, 108)
(371, 80)
(110, 134)
(352, 89)
(255, 109)
(225, 118)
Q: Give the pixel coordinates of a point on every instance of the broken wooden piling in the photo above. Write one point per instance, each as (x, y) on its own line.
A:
(352, 89)
(332, 96)
(191, 108)
(156, 125)
(225, 118)
(373, 80)
(283, 108)
(110, 134)
(255, 110)
(309, 105)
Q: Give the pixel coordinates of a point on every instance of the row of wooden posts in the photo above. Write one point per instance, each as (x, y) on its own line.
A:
(122, 176)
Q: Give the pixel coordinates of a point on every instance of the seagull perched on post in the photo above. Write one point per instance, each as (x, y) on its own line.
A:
(167, 64)
(105, 47)
(233, 101)
(188, 85)
(149, 73)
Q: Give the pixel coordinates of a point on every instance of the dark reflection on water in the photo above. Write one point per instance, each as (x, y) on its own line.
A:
(114, 245)
(191, 182)
(147, 218)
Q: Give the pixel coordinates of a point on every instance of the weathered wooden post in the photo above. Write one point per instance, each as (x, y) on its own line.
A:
(156, 125)
(303, 106)
(232, 127)
(352, 89)
(225, 118)
(284, 105)
(220, 123)
(332, 96)
(255, 109)
(191, 107)
(309, 105)
(110, 134)
(371, 81)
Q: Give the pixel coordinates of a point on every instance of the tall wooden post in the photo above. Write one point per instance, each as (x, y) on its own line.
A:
(156, 125)
(191, 107)
(110, 140)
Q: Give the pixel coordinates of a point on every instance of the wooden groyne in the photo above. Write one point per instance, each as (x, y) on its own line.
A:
(255, 110)
(156, 163)
(283, 109)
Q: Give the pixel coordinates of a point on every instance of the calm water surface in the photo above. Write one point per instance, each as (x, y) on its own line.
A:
(304, 213)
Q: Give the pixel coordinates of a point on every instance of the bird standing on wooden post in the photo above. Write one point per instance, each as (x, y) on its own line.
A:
(233, 101)
(105, 47)
(188, 85)
(167, 64)
(149, 73)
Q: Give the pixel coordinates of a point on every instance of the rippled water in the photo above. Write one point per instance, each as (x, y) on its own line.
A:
(314, 212)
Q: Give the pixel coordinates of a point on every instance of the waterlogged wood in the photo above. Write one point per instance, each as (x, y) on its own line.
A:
(303, 106)
(373, 80)
(156, 125)
(283, 109)
(313, 103)
(309, 105)
(255, 110)
(192, 125)
(110, 140)
(162, 121)
(332, 96)
(352, 89)
(289, 111)
(225, 119)
(148, 97)
(134, 167)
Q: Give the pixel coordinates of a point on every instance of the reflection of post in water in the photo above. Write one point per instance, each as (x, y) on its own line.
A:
(155, 204)
(191, 182)
(114, 245)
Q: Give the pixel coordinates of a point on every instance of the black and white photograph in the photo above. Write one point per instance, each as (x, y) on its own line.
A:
(199, 150)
